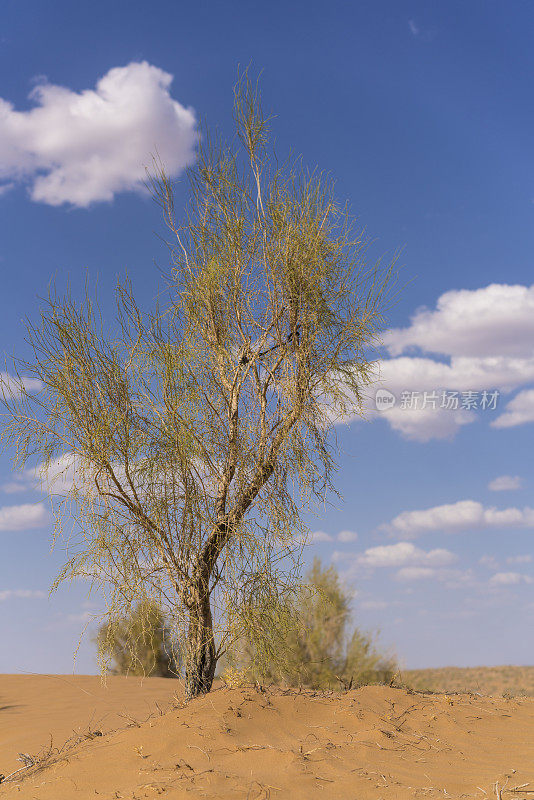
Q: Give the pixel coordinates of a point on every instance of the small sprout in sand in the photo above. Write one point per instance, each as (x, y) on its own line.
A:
(234, 678)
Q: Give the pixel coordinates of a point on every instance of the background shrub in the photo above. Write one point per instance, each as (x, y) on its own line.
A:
(139, 644)
(320, 649)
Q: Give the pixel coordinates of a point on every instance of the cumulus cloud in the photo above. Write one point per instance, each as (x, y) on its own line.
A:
(411, 562)
(347, 536)
(505, 483)
(320, 536)
(26, 594)
(23, 517)
(420, 423)
(518, 411)
(485, 342)
(343, 536)
(461, 516)
(55, 479)
(509, 579)
(464, 373)
(13, 487)
(415, 573)
(522, 559)
(451, 578)
(11, 386)
(398, 376)
(84, 147)
(58, 477)
(490, 562)
(70, 474)
(431, 414)
(404, 553)
(497, 320)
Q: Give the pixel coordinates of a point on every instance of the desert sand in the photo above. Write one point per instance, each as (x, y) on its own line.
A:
(502, 680)
(35, 709)
(371, 743)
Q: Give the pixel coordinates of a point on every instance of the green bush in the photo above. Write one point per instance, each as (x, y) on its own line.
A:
(318, 650)
(139, 644)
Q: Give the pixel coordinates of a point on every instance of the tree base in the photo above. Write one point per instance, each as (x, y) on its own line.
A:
(200, 671)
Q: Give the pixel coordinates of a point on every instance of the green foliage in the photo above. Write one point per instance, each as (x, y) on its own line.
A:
(317, 650)
(139, 644)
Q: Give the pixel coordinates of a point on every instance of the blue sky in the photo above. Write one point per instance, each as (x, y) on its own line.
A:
(423, 113)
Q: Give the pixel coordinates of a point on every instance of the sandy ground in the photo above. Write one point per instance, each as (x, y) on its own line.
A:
(501, 680)
(34, 708)
(374, 743)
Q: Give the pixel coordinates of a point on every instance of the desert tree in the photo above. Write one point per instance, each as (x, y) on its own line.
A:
(189, 438)
(322, 649)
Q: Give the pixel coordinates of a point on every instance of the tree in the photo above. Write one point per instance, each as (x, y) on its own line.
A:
(140, 644)
(319, 650)
(183, 430)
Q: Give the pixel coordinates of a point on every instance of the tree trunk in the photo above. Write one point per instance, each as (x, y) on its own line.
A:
(200, 656)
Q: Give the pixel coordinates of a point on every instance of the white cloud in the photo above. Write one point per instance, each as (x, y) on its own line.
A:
(496, 320)
(422, 425)
(487, 338)
(347, 536)
(13, 487)
(451, 578)
(65, 473)
(490, 562)
(461, 516)
(428, 419)
(505, 483)
(27, 594)
(404, 553)
(463, 374)
(70, 474)
(84, 147)
(518, 411)
(24, 517)
(11, 386)
(320, 536)
(414, 29)
(57, 478)
(510, 579)
(344, 536)
(397, 376)
(523, 559)
(415, 573)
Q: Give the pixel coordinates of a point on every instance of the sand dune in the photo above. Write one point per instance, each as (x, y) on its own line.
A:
(366, 744)
(36, 708)
(501, 680)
